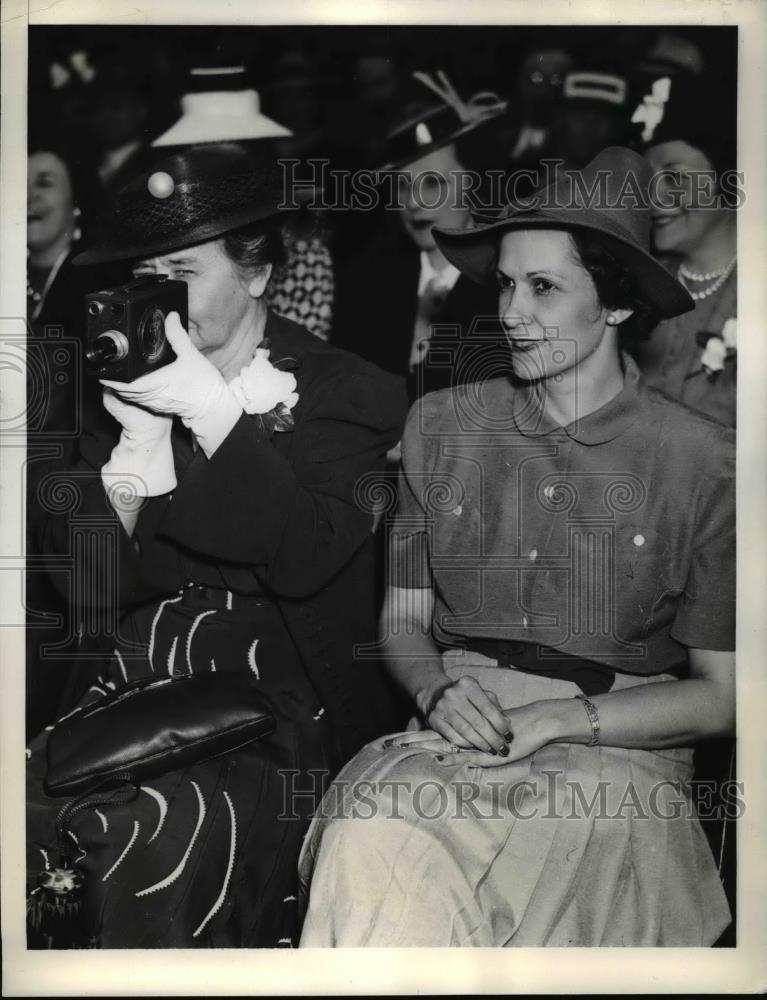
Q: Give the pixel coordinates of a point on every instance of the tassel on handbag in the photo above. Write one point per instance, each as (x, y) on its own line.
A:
(54, 906)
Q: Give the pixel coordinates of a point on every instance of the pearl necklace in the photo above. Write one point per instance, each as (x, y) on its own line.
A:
(720, 277)
(694, 276)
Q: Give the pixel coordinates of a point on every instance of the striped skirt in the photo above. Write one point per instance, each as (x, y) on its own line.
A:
(573, 846)
(204, 856)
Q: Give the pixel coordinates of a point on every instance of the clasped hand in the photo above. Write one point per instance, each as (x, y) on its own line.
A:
(480, 732)
(189, 387)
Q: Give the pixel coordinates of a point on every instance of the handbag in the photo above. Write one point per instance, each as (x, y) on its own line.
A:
(153, 726)
(143, 730)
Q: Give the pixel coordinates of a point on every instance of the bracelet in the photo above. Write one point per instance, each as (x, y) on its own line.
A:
(591, 711)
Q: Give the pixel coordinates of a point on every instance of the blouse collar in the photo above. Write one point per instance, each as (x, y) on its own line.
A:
(605, 423)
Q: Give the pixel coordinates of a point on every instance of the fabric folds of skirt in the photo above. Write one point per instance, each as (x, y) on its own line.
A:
(573, 846)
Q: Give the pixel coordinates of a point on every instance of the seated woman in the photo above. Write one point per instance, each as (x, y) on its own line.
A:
(560, 611)
(243, 550)
(693, 151)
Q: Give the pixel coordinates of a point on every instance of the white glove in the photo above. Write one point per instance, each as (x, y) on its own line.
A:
(190, 387)
(144, 450)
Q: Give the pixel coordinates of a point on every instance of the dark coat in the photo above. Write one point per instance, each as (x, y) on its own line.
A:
(375, 313)
(61, 399)
(273, 515)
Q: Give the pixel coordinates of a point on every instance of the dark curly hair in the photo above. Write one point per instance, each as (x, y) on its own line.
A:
(616, 287)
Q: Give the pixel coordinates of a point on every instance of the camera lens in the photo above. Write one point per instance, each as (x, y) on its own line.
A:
(107, 348)
(95, 308)
(151, 334)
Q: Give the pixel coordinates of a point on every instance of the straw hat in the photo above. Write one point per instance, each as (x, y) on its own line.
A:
(193, 196)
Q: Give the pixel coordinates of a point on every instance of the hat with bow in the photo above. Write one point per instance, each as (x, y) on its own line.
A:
(439, 124)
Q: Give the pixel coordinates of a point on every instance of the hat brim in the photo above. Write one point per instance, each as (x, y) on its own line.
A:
(115, 246)
(446, 140)
(475, 252)
(193, 129)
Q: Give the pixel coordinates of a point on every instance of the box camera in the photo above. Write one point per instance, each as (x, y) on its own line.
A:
(125, 327)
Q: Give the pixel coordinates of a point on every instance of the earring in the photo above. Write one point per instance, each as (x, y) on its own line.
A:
(76, 232)
(612, 319)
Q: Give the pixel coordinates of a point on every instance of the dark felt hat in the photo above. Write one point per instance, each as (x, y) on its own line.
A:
(431, 126)
(196, 195)
(608, 198)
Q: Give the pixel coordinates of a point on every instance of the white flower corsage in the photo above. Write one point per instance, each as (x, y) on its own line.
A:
(266, 390)
(718, 348)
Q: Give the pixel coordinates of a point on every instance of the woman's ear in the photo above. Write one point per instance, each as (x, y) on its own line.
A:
(617, 316)
(258, 283)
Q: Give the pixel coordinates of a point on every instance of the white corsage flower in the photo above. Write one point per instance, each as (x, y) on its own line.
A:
(718, 349)
(262, 388)
(713, 356)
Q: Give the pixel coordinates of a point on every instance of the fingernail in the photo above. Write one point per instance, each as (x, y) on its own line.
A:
(493, 751)
(389, 743)
(504, 751)
(508, 737)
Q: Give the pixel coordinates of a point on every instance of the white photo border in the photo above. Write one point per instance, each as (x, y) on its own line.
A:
(432, 971)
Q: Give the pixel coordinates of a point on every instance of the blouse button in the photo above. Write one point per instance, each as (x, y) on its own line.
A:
(458, 510)
(639, 540)
(533, 554)
(525, 621)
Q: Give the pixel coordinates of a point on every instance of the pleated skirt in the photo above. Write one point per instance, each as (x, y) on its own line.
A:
(573, 846)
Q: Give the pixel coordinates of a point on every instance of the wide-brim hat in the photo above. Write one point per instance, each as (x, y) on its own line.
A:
(220, 107)
(601, 199)
(433, 125)
(191, 197)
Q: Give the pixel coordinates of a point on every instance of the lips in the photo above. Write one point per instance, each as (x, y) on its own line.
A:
(659, 221)
(524, 345)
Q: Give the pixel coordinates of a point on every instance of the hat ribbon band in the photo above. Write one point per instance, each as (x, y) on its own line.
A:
(484, 103)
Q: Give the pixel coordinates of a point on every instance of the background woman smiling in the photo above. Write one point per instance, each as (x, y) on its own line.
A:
(692, 150)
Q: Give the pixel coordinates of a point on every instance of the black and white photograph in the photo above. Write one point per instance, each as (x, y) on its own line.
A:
(382, 498)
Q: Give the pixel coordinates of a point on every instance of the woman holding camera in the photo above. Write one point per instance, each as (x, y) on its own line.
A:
(560, 611)
(229, 488)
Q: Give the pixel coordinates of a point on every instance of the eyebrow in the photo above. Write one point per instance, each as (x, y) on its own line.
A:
(181, 260)
(534, 272)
